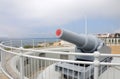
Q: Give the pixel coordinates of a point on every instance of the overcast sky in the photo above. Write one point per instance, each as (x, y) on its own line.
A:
(40, 18)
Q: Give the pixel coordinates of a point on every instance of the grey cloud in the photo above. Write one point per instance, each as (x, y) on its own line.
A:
(18, 14)
(61, 11)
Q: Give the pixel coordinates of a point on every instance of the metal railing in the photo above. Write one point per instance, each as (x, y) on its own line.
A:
(20, 63)
(111, 41)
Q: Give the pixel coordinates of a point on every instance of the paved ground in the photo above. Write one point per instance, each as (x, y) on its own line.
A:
(49, 73)
(2, 76)
(115, 49)
(113, 72)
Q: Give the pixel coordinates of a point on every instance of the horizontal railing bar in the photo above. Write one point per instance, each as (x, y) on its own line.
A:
(44, 58)
(110, 55)
(59, 60)
(65, 53)
(53, 52)
(9, 52)
(110, 64)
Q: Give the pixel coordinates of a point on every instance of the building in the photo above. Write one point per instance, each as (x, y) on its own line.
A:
(108, 35)
(103, 35)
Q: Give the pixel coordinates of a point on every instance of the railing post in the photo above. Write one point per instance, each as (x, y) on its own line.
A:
(33, 43)
(11, 44)
(21, 65)
(0, 53)
(2, 57)
(96, 64)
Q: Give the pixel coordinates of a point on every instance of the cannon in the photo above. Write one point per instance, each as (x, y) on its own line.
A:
(84, 44)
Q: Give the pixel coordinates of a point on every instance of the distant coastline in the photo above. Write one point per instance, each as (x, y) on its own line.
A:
(28, 41)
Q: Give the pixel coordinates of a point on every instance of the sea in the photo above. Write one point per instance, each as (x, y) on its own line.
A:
(21, 42)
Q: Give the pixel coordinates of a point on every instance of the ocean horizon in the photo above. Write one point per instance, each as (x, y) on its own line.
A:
(26, 41)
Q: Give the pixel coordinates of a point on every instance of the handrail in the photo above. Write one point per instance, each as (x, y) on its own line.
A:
(44, 58)
(58, 52)
(95, 63)
(69, 61)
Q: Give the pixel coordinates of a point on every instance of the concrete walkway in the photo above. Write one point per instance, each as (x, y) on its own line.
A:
(2, 75)
(113, 72)
(49, 73)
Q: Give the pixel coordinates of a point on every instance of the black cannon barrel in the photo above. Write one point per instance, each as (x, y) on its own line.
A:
(86, 43)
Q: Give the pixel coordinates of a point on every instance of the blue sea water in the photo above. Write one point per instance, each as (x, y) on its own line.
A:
(26, 41)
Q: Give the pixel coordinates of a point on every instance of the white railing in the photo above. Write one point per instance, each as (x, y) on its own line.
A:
(111, 41)
(20, 63)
